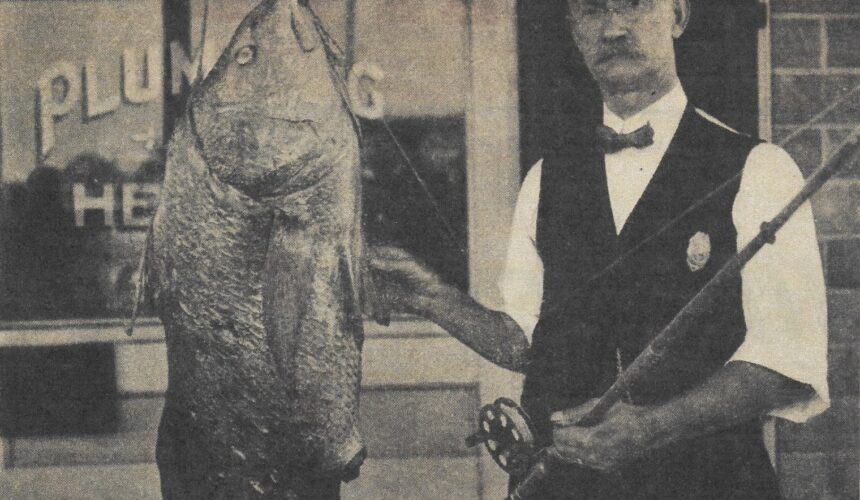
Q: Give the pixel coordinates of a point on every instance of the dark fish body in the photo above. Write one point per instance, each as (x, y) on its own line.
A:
(255, 264)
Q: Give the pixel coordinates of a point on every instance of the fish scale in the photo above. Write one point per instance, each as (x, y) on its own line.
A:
(255, 262)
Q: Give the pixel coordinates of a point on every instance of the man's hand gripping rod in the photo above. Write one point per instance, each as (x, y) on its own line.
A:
(650, 359)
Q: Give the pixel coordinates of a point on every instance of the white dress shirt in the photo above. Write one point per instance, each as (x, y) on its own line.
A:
(784, 298)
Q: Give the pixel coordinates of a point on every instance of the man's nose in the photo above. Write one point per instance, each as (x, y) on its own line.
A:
(615, 25)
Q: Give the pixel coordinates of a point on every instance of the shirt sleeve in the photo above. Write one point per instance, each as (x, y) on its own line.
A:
(784, 295)
(521, 282)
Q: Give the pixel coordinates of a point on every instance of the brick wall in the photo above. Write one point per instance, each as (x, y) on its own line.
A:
(816, 60)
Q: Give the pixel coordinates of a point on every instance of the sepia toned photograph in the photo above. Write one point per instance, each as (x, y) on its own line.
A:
(429, 249)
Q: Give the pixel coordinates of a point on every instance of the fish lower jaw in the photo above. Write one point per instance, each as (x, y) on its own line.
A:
(345, 461)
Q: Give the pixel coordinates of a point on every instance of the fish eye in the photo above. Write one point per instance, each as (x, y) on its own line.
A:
(246, 54)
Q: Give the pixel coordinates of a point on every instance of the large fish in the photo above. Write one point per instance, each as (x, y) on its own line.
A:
(255, 260)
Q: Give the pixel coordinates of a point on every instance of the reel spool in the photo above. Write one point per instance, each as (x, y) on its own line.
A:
(505, 430)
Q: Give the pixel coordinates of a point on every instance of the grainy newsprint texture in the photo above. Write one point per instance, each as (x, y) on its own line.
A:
(410, 124)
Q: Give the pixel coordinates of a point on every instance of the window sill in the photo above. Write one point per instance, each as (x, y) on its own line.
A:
(149, 330)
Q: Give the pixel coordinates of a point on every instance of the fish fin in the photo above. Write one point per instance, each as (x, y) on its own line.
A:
(351, 272)
(287, 272)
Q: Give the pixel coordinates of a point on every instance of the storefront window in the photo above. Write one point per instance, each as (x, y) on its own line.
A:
(82, 155)
(80, 125)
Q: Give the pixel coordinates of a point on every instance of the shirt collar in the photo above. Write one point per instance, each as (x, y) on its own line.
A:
(663, 115)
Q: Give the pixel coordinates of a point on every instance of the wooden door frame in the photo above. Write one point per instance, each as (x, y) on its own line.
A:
(493, 180)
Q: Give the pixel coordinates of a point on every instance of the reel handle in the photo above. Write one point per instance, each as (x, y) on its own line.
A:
(476, 439)
(538, 472)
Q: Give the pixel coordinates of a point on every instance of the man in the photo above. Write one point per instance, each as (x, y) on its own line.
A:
(693, 430)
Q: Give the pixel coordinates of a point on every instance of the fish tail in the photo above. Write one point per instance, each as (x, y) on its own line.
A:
(141, 283)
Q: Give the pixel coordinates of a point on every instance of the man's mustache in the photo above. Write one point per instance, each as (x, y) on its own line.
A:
(625, 51)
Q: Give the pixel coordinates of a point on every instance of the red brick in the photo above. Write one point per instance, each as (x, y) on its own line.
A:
(846, 90)
(843, 43)
(832, 430)
(815, 6)
(798, 98)
(834, 139)
(796, 43)
(843, 263)
(843, 310)
(837, 208)
(843, 376)
(805, 148)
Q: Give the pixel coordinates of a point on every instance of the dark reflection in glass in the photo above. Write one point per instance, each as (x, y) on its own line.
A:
(59, 264)
(397, 210)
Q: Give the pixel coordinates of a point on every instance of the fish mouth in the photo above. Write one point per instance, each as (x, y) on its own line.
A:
(296, 121)
(234, 107)
(353, 468)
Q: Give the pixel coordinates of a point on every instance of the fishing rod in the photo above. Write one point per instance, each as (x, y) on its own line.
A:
(653, 356)
(736, 178)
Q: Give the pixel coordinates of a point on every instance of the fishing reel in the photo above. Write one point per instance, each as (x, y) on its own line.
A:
(506, 431)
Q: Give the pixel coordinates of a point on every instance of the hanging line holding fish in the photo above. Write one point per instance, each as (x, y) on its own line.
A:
(337, 58)
(337, 65)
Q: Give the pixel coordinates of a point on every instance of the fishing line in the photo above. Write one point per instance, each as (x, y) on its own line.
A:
(336, 54)
(335, 58)
(449, 229)
(818, 116)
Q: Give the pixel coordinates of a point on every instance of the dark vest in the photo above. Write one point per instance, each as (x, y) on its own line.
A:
(591, 327)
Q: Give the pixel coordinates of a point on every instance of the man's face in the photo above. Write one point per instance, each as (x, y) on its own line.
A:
(627, 44)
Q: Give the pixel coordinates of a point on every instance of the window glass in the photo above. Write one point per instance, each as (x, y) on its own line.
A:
(422, 50)
(80, 135)
(81, 146)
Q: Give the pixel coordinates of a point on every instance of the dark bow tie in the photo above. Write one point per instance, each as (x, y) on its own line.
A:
(609, 141)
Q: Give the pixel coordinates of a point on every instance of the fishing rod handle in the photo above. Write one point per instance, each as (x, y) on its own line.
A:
(534, 479)
(847, 154)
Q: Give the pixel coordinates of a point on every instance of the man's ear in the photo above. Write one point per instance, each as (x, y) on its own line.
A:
(682, 17)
